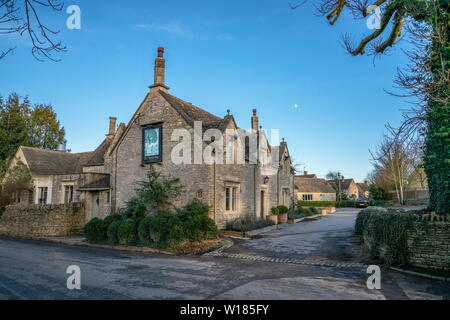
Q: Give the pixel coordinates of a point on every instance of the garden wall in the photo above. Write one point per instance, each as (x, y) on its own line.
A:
(30, 221)
(429, 245)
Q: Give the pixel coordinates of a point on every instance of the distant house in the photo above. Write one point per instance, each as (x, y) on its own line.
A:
(363, 190)
(306, 175)
(346, 186)
(313, 189)
(60, 177)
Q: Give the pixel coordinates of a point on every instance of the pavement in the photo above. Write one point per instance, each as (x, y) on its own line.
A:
(37, 270)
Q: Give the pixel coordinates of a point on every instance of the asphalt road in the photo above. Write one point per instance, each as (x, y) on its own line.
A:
(37, 270)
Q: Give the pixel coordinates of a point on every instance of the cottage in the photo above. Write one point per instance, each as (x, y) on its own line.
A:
(236, 174)
(310, 188)
(346, 186)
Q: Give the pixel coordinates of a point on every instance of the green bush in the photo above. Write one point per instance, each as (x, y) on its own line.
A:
(313, 210)
(283, 209)
(160, 226)
(95, 230)
(112, 232)
(195, 221)
(247, 224)
(337, 204)
(275, 211)
(111, 218)
(127, 232)
(300, 210)
(144, 231)
(384, 233)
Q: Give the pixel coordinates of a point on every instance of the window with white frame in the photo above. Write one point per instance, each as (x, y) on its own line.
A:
(42, 195)
(231, 198)
(307, 197)
(68, 194)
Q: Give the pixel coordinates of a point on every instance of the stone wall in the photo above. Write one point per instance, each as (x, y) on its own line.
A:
(429, 245)
(42, 220)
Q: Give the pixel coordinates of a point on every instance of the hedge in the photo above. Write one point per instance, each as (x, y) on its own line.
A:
(247, 224)
(111, 233)
(384, 232)
(95, 230)
(337, 204)
(127, 232)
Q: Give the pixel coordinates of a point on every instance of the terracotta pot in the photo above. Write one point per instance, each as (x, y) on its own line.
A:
(282, 218)
(273, 218)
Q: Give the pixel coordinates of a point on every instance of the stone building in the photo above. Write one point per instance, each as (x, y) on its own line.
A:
(310, 188)
(347, 187)
(247, 176)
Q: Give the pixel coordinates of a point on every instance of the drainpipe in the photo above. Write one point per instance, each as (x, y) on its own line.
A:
(278, 187)
(254, 190)
(214, 193)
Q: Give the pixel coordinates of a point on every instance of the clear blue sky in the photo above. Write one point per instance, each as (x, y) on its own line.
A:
(219, 55)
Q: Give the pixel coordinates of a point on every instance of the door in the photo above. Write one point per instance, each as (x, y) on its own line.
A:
(262, 205)
(95, 204)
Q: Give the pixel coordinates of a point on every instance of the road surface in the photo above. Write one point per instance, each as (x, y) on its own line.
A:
(37, 270)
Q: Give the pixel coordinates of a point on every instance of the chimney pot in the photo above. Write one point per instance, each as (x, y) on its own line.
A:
(160, 52)
(255, 121)
(160, 67)
(112, 126)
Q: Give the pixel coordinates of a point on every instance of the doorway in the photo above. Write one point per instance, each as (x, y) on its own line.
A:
(262, 204)
(95, 204)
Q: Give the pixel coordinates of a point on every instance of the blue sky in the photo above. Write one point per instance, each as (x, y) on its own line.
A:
(219, 55)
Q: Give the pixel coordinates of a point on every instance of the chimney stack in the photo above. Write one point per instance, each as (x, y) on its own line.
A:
(112, 126)
(254, 121)
(160, 67)
(305, 173)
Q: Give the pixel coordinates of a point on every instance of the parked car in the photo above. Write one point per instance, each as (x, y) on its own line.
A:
(361, 203)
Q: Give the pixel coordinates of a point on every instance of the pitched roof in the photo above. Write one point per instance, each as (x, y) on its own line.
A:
(101, 184)
(307, 176)
(98, 155)
(48, 162)
(312, 185)
(345, 184)
(190, 112)
(362, 187)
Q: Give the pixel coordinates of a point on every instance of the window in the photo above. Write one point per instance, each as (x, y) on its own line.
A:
(68, 194)
(307, 197)
(152, 144)
(231, 198)
(231, 150)
(42, 195)
(262, 159)
(108, 197)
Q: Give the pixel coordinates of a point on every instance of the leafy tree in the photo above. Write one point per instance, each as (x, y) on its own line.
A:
(155, 194)
(22, 124)
(427, 77)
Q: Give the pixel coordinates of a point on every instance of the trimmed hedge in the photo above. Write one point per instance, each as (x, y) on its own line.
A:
(283, 209)
(337, 204)
(247, 224)
(111, 233)
(275, 211)
(127, 232)
(95, 230)
(384, 232)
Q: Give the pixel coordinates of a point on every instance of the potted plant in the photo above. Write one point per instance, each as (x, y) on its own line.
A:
(274, 216)
(283, 214)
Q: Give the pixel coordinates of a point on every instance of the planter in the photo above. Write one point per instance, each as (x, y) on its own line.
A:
(282, 218)
(273, 218)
